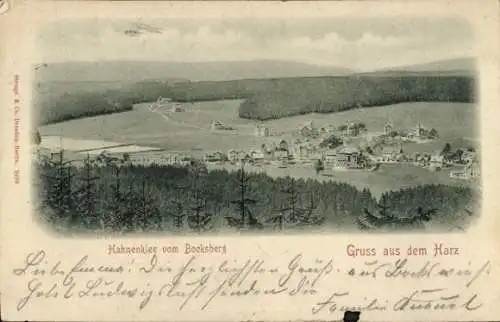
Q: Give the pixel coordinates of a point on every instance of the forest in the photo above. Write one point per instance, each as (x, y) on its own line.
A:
(109, 194)
(263, 98)
(326, 95)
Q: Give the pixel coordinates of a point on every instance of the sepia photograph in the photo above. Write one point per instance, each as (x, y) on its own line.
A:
(250, 161)
(264, 125)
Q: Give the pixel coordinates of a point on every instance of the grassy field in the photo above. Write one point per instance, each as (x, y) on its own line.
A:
(190, 130)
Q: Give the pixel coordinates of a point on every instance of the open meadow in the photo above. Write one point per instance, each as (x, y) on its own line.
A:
(190, 131)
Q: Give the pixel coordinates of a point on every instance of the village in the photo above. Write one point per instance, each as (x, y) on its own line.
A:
(348, 147)
(352, 147)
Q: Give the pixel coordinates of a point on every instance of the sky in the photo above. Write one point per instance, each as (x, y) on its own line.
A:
(354, 43)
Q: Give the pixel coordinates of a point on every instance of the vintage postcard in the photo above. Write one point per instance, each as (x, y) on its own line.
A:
(250, 161)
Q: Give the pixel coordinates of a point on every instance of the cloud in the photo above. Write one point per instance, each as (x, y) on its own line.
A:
(333, 42)
(208, 43)
(371, 40)
(170, 44)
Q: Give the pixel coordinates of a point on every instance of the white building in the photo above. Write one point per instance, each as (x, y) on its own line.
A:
(391, 155)
(388, 128)
(303, 151)
(236, 155)
(281, 154)
(330, 157)
(420, 130)
(257, 155)
(214, 157)
(436, 162)
(176, 107)
(470, 171)
(261, 131)
(162, 102)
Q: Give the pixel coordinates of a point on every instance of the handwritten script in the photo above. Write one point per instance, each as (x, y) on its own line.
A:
(196, 283)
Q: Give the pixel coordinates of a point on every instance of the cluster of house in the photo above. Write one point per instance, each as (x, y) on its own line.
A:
(469, 171)
(298, 153)
(281, 152)
(467, 160)
(174, 159)
(347, 158)
(433, 161)
(416, 134)
(266, 152)
(350, 129)
(307, 130)
(264, 131)
(343, 157)
(305, 149)
(354, 129)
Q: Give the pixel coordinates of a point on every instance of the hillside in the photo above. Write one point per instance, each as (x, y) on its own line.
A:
(451, 67)
(61, 101)
(327, 95)
(71, 90)
(265, 98)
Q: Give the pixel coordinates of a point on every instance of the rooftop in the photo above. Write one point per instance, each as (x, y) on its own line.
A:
(349, 149)
(391, 149)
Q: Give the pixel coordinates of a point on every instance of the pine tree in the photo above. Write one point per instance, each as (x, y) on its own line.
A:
(116, 203)
(278, 221)
(216, 195)
(417, 221)
(311, 218)
(145, 215)
(58, 185)
(292, 215)
(369, 220)
(246, 218)
(384, 207)
(385, 218)
(178, 211)
(86, 195)
(200, 219)
(293, 210)
(128, 216)
(365, 201)
(36, 138)
(289, 213)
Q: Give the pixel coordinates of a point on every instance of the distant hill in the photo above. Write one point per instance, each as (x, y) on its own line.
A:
(136, 71)
(270, 89)
(458, 66)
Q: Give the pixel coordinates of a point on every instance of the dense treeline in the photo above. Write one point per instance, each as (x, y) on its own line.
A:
(264, 98)
(58, 102)
(110, 194)
(78, 105)
(326, 95)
